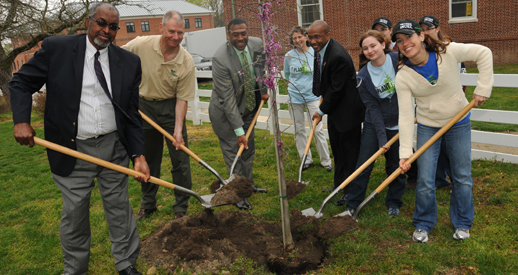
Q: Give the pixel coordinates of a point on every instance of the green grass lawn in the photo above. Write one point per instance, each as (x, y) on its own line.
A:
(31, 204)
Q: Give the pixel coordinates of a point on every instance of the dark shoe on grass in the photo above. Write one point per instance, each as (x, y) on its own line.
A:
(130, 270)
(306, 166)
(244, 205)
(179, 215)
(329, 168)
(342, 200)
(144, 213)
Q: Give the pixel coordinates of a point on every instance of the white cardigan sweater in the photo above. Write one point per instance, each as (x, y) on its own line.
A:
(437, 104)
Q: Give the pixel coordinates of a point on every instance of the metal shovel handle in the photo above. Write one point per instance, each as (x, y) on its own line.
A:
(418, 153)
(118, 168)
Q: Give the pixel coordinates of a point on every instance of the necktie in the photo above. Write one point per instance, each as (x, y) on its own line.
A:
(249, 85)
(316, 76)
(102, 80)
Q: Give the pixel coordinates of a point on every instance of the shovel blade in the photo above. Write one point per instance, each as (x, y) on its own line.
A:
(305, 182)
(208, 197)
(310, 212)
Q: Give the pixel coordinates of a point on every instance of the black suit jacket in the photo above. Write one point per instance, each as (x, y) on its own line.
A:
(59, 63)
(342, 102)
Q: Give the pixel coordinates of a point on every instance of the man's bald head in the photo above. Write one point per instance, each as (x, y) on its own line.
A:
(318, 35)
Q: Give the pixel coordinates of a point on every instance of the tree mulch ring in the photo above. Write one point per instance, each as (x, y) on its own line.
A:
(236, 190)
(206, 242)
(293, 188)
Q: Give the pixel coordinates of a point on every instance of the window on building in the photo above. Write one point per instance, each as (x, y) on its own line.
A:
(145, 26)
(187, 24)
(309, 11)
(463, 11)
(197, 22)
(130, 27)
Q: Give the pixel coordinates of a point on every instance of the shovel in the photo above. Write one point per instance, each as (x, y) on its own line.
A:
(185, 149)
(239, 152)
(306, 150)
(118, 168)
(311, 211)
(413, 157)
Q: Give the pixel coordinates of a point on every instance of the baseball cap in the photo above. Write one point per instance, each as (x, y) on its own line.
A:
(429, 20)
(384, 21)
(406, 26)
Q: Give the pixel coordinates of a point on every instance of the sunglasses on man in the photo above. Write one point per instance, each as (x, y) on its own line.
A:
(103, 24)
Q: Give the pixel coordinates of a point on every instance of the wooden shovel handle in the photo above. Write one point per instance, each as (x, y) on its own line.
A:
(169, 136)
(312, 132)
(100, 162)
(251, 128)
(425, 146)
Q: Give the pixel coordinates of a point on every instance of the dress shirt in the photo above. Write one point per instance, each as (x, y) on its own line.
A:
(96, 112)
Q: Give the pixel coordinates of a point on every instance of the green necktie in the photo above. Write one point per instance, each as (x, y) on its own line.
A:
(249, 85)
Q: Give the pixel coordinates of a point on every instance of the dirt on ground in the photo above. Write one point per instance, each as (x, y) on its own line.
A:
(236, 190)
(207, 241)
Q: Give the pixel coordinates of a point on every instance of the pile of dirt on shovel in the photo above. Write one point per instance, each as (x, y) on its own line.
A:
(293, 188)
(236, 190)
(207, 241)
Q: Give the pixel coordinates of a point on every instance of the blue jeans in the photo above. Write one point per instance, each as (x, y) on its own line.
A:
(369, 146)
(457, 142)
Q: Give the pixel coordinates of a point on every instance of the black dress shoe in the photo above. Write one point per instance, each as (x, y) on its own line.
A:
(244, 205)
(130, 270)
(342, 200)
(143, 213)
(259, 190)
(179, 215)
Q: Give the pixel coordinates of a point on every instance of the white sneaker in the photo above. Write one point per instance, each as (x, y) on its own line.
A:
(420, 236)
(461, 234)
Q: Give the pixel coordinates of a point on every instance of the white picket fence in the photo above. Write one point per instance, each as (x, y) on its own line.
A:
(198, 113)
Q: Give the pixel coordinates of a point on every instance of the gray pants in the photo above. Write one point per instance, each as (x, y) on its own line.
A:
(75, 219)
(229, 148)
(163, 113)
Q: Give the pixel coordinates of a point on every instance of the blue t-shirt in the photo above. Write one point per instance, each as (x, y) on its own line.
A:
(300, 67)
(384, 80)
(430, 70)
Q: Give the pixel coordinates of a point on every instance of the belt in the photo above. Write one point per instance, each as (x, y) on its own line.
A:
(152, 99)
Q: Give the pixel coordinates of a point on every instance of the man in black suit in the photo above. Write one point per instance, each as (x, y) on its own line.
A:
(92, 107)
(335, 79)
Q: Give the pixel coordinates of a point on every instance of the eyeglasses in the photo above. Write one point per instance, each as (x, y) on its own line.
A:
(103, 24)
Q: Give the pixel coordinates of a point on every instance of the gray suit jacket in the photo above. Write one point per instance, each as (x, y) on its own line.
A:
(227, 103)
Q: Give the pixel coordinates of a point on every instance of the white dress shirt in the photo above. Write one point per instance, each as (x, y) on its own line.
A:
(96, 112)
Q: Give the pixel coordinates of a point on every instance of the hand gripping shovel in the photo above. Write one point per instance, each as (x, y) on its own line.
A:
(311, 211)
(185, 149)
(413, 157)
(239, 152)
(117, 168)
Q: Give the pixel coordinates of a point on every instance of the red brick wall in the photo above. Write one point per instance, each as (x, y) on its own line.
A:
(207, 22)
(348, 19)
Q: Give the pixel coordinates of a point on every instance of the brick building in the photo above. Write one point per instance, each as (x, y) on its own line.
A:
(138, 19)
(486, 22)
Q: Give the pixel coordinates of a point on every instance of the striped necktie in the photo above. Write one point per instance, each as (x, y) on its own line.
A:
(316, 76)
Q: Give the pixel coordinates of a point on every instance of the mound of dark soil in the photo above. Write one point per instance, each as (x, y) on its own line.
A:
(236, 190)
(208, 241)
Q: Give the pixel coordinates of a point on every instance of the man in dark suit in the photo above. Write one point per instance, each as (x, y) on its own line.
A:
(236, 96)
(335, 79)
(92, 106)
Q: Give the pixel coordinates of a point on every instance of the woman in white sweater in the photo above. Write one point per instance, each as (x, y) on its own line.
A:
(428, 72)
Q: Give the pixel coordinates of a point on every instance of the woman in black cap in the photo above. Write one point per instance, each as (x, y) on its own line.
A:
(428, 72)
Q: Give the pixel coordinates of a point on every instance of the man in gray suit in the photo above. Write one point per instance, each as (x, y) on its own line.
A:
(236, 96)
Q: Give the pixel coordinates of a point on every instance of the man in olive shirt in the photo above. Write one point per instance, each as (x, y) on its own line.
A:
(168, 75)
